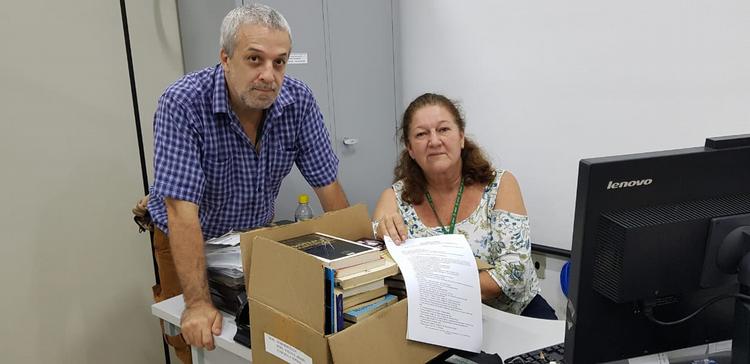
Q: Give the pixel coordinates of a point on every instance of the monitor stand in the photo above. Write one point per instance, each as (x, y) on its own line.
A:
(741, 337)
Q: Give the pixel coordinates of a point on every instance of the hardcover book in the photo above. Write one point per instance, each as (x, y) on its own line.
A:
(339, 313)
(395, 284)
(400, 293)
(330, 305)
(335, 252)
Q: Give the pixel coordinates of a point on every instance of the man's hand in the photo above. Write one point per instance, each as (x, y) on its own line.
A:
(199, 324)
(141, 207)
(141, 215)
(200, 320)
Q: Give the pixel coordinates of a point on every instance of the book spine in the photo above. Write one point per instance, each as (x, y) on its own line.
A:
(339, 312)
(330, 322)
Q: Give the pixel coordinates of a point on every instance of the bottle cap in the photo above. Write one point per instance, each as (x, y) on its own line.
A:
(303, 198)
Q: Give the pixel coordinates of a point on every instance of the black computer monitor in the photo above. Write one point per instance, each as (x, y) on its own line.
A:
(646, 236)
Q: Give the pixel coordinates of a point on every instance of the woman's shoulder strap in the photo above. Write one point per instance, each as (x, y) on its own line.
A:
(493, 187)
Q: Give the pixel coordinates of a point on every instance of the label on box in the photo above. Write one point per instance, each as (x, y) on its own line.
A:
(284, 351)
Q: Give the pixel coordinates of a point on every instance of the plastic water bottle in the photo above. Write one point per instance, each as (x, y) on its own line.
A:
(303, 211)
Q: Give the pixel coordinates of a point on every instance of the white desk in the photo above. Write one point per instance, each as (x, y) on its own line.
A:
(509, 335)
(504, 333)
(227, 350)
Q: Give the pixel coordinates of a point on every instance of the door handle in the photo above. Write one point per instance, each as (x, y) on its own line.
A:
(350, 141)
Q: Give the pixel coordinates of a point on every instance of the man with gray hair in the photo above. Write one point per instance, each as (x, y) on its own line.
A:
(224, 138)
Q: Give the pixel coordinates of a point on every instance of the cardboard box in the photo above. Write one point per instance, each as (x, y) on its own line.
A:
(287, 302)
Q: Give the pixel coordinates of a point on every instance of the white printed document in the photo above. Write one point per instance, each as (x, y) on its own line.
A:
(442, 283)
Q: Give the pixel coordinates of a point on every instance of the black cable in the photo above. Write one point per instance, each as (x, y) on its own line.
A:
(649, 310)
(139, 134)
(544, 249)
(134, 96)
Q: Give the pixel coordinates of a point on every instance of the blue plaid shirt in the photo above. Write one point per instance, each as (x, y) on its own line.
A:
(202, 154)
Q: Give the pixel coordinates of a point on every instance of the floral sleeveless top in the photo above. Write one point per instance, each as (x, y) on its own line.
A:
(498, 237)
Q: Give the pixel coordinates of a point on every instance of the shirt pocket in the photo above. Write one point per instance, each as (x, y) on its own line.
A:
(218, 181)
(280, 163)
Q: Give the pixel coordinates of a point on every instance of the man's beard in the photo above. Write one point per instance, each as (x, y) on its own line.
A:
(262, 100)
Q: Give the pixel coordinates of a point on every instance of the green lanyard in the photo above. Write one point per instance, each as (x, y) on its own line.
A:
(455, 208)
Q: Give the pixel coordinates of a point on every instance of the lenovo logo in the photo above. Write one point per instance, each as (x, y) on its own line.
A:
(626, 184)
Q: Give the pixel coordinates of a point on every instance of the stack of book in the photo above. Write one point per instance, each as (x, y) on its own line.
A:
(364, 292)
(355, 277)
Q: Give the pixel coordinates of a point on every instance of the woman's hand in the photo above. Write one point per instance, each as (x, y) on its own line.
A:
(391, 224)
(387, 218)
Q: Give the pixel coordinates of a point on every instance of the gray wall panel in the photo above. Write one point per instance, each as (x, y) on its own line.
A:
(362, 70)
(308, 36)
(200, 22)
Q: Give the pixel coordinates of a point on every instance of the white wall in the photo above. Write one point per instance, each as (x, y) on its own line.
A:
(544, 84)
(76, 276)
(157, 59)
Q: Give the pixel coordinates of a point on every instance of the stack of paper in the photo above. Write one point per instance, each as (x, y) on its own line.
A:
(223, 255)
